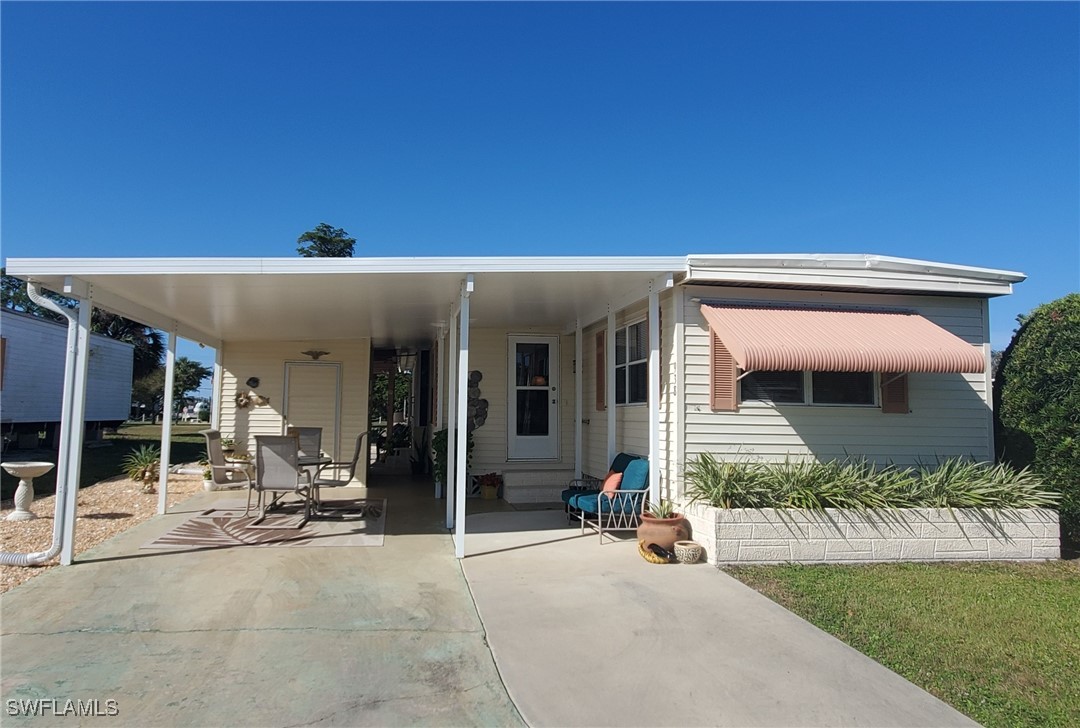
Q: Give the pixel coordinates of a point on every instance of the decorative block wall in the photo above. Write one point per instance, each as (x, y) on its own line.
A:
(769, 536)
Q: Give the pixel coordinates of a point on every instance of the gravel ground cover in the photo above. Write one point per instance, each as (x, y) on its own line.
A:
(104, 510)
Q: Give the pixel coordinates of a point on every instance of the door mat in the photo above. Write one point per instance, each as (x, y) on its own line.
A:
(356, 522)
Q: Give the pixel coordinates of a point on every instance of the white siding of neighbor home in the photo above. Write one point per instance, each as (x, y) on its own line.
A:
(266, 360)
(949, 412)
(34, 360)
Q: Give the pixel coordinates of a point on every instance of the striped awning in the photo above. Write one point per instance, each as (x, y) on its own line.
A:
(766, 338)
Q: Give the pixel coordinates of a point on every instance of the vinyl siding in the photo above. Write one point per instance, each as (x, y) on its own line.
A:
(489, 354)
(34, 360)
(266, 360)
(948, 417)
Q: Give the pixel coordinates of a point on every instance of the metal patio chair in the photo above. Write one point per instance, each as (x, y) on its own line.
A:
(225, 472)
(310, 440)
(278, 473)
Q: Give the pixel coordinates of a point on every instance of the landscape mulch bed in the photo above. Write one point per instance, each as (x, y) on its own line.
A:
(104, 510)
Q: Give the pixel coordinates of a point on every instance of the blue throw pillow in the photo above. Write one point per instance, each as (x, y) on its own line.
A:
(636, 475)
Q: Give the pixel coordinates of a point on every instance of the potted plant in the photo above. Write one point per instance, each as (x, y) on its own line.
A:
(439, 456)
(489, 485)
(661, 525)
(207, 475)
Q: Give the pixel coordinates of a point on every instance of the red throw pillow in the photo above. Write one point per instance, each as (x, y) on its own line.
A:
(612, 483)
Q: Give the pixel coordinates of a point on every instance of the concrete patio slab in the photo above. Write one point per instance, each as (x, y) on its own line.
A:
(259, 636)
(591, 635)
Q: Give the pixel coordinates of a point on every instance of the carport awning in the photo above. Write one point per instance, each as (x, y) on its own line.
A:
(839, 340)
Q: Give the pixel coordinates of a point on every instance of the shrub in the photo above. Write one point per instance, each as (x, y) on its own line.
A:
(860, 485)
(143, 465)
(1037, 402)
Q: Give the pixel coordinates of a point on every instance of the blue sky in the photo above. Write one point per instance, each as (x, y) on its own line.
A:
(948, 132)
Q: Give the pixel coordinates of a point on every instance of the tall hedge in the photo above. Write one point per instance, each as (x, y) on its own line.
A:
(1037, 402)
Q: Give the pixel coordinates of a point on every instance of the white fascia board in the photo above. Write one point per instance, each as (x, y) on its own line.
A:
(870, 280)
(847, 261)
(234, 266)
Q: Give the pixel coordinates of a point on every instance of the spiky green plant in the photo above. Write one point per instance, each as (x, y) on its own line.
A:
(142, 465)
(857, 484)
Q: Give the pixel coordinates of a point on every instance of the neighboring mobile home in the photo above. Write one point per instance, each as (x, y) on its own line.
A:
(575, 359)
(32, 380)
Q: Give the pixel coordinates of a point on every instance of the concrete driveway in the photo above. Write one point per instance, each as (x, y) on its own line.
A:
(582, 635)
(591, 635)
(259, 636)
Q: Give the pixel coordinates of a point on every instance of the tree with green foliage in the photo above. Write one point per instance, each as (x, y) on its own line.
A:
(325, 241)
(147, 391)
(1037, 402)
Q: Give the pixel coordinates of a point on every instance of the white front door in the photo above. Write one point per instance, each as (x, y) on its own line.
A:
(533, 401)
(313, 399)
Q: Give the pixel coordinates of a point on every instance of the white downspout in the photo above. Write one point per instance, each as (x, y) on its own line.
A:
(78, 430)
(8, 558)
(609, 394)
(654, 396)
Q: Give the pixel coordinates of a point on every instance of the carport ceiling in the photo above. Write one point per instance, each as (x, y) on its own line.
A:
(395, 302)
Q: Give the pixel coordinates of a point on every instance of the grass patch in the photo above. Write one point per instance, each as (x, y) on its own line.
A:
(1000, 642)
(99, 463)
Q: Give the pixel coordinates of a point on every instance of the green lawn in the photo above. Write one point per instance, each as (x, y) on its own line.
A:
(999, 641)
(100, 463)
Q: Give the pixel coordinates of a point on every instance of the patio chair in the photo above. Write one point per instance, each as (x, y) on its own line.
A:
(593, 485)
(225, 472)
(310, 440)
(338, 474)
(278, 472)
(618, 506)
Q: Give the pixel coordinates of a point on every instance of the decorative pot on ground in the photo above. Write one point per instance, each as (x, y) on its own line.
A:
(688, 552)
(663, 527)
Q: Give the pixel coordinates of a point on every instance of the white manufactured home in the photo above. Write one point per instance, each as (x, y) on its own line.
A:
(32, 352)
(578, 359)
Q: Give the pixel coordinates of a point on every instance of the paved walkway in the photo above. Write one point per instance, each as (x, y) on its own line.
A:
(582, 634)
(591, 635)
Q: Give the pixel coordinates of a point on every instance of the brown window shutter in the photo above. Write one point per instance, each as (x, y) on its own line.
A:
(894, 394)
(723, 382)
(601, 370)
(3, 352)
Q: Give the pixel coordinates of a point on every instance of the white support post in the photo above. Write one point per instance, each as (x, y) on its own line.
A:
(440, 388)
(166, 424)
(440, 401)
(451, 422)
(77, 430)
(654, 396)
(462, 417)
(578, 414)
(678, 417)
(610, 378)
(215, 396)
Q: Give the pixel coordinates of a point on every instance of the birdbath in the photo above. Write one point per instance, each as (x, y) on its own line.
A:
(24, 494)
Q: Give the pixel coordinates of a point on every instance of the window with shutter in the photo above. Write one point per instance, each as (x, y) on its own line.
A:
(601, 369)
(722, 376)
(894, 394)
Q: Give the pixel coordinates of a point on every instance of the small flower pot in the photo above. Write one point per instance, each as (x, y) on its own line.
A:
(688, 552)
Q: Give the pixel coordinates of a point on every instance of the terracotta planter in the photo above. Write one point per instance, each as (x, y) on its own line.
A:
(663, 531)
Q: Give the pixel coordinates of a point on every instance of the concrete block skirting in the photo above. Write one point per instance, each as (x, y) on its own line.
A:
(770, 536)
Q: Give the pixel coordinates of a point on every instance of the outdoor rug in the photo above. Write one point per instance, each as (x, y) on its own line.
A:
(355, 522)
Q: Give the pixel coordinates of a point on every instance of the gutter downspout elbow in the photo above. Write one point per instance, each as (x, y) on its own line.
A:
(8, 558)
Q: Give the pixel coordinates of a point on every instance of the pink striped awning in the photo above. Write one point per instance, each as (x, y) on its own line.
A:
(839, 340)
